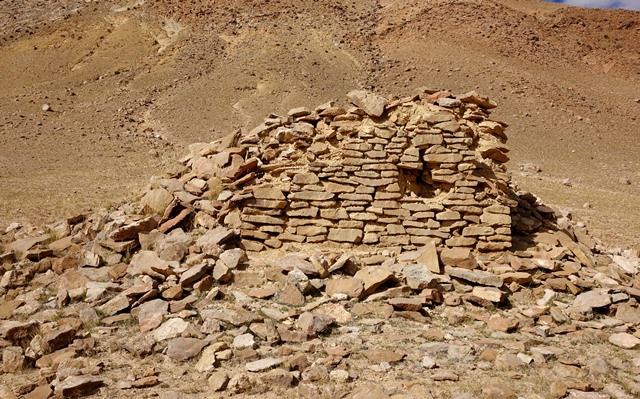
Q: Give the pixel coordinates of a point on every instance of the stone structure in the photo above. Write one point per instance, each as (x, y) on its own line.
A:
(402, 173)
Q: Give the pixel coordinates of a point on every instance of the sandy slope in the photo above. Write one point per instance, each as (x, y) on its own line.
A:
(131, 87)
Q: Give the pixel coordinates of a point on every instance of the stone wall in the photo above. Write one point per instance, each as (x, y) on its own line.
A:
(399, 173)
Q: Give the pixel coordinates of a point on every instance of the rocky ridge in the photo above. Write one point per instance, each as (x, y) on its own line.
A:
(240, 264)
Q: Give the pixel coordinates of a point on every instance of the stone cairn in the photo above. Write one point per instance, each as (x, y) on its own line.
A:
(401, 202)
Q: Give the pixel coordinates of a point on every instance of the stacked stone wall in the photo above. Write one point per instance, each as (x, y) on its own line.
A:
(414, 173)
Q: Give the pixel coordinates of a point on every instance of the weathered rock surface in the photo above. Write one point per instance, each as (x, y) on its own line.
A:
(263, 364)
(78, 386)
(369, 102)
(181, 349)
(624, 340)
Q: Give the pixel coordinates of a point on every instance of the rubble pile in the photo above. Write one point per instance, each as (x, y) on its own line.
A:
(324, 219)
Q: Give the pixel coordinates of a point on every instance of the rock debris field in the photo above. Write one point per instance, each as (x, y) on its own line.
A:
(374, 248)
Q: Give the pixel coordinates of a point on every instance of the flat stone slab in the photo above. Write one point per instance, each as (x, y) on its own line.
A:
(170, 329)
(264, 364)
(182, 349)
(592, 299)
(373, 277)
(624, 340)
(346, 235)
(130, 231)
(475, 276)
(78, 385)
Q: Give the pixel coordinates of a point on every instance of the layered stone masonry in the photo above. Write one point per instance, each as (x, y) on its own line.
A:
(403, 174)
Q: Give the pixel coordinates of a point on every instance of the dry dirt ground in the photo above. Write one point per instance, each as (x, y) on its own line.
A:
(131, 84)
